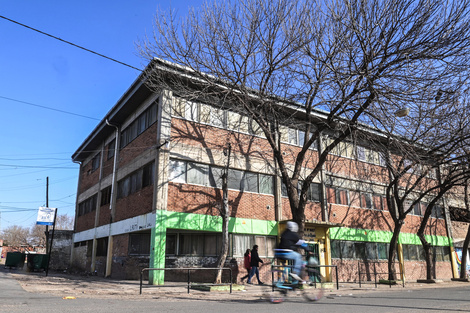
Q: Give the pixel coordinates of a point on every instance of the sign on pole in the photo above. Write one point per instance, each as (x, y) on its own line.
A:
(46, 216)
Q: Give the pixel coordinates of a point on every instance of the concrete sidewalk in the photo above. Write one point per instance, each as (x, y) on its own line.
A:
(66, 285)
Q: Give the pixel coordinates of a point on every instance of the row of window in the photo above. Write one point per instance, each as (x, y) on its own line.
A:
(137, 180)
(203, 113)
(130, 184)
(139, 125)
(205, 175)
(368, 200)
(87, 205)
(364, 200)
(358, 250)
(202, 244)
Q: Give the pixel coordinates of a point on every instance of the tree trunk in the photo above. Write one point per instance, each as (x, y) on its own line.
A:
(427, 255)
(463, 266)
(392, 252)
(225, 214)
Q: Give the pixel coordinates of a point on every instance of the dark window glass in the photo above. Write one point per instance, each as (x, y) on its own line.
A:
(170, 244)
(102, 246)
(371, 251)
(111, 147)
(191, 244)
(148, 175)
(95, 162)
(366, 201)
(139, 244)
(250, 182)
(314, 192)
(382, 251)
(335, 249)
(105, 196)
(139, 125)
(88, 205)
(234, 179)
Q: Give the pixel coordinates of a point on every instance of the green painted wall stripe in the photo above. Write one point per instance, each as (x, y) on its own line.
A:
(201, 222)
(343, 233)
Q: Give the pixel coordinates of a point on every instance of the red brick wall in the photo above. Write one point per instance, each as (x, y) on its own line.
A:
(459, 229)
(85, 221)
(88, 178)
(348, 270)
(145, 141)
(104, 216)
(203, 200)
(136, 204)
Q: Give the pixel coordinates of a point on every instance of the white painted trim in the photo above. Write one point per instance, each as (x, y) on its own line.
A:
(137, 223)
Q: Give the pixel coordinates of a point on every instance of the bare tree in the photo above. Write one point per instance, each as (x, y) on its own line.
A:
(280, 61)
(38, 235)
(64, 222)
(16, 235)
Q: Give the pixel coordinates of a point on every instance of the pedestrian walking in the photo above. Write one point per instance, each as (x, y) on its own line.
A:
(247, 264)
(255, 260)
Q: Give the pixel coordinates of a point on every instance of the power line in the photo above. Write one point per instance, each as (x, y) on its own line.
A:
(70, 43)
(37, 166)
(49, 108)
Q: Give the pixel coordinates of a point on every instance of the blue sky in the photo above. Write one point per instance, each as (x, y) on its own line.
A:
(36, 70)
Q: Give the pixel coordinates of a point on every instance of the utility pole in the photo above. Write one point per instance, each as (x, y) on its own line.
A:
(47, 206)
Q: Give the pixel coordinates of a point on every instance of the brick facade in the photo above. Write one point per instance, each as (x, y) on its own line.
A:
(204, 144)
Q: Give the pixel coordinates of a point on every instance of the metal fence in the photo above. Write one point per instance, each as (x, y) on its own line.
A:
(316, 266)
(189, 269)
(375, 273)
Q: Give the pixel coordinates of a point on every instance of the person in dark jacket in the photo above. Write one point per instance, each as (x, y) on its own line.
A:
(247, 264)
(255, 260)
(290, 241)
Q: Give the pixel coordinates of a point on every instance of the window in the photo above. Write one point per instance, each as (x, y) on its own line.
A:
(382, 159)
(366, 201)
(293, 140)
(417, 209)
(361, 153)
(341, 196)
(139, 244)
(345, 249)
(437, 212)
(177, 171)
(170, 244)
(192, 111)
(377, 202)
(205, 175)
(215, 177)
(266, 184)
(382, 250)
(314, 192)
(197, 174)
(105, 196)
(137, 180)
(111, 148)
(148, 174)
(250, 182)
(95, 162)
(265, 244)
(87, 206)
(234, 179)
(139, 125)
(101, 246)
(195, 244)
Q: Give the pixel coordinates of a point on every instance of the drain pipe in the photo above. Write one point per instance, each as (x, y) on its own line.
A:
(112, 203)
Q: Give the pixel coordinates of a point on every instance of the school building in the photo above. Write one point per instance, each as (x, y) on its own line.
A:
(149, 192)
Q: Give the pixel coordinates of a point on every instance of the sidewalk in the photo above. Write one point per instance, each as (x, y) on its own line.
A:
(73, 286)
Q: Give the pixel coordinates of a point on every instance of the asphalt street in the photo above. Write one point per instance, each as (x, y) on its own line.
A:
(450, 299)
